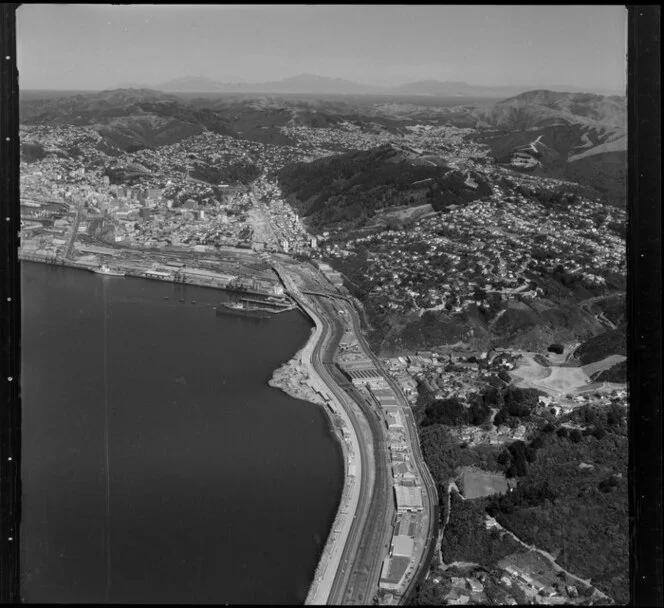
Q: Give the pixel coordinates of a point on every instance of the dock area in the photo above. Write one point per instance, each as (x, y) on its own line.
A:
(264, 293)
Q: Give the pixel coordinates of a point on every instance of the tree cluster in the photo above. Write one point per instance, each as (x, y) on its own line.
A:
(515, 404)
(610, 342)
(31, 152)
(453, 413)
(352, 187)
(444, 455)
(467, 539)
(526, 494)
(579, 513)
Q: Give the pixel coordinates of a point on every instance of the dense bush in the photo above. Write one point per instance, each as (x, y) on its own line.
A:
(576, 436)
(611, 342)
(206, 173)
(351, 187)
(526, 494)
(518, 403)
(241, 173)
(579, 513)
(31, 152)
(453, 413)
(444, 455)
(616, 373)
(466, 538)
(445, 411)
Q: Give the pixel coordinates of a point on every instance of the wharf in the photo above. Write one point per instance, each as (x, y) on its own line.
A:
(131, 270)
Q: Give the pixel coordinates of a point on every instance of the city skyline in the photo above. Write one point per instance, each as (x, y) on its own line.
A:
(582, 47)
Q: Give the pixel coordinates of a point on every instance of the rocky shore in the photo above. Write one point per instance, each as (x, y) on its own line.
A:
(293, 379)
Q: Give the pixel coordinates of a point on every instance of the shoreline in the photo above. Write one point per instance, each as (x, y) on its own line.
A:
(291, 377)
(145, 274)
(330, 557)
(296, 378)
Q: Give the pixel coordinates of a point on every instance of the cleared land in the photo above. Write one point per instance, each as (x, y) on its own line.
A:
(554, 380)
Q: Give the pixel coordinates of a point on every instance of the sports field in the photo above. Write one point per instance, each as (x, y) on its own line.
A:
(477, 484)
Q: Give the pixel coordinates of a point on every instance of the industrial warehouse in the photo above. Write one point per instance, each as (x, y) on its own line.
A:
(409, 519)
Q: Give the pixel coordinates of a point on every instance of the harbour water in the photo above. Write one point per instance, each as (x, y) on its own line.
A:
(157, 464)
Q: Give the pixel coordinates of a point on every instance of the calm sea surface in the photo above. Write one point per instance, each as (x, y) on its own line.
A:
(157, 465)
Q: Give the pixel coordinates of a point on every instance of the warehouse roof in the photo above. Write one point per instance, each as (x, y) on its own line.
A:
(402, 546)
(408, 498)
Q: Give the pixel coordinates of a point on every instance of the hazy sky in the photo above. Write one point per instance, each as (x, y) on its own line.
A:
(96, 47)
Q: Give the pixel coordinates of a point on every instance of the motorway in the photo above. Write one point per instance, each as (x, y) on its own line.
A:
(340, 583)
(367, 543)
(355, 578)
(357, 581)
(338, 552)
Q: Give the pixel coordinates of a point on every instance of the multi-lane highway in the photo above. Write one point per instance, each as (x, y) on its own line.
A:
(358, 581)
(341, 547)
(356, 576)
(367, 540)
(341, 581)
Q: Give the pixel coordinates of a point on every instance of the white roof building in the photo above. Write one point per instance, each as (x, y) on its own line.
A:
(402, 546)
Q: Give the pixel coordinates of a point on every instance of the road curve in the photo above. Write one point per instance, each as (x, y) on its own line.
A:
(367, 536)
(340, 547)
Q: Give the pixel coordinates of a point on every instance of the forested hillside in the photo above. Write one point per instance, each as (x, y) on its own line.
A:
(352, 187)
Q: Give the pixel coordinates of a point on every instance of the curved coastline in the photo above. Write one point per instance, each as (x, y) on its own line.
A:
(298, 378)
(291, 377)
(291, 580)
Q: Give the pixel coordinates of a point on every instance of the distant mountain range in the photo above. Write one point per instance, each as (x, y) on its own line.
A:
(322, 85)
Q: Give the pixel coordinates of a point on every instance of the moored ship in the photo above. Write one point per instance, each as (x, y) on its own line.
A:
(240, 310)
(271, 305)
(107, 270)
